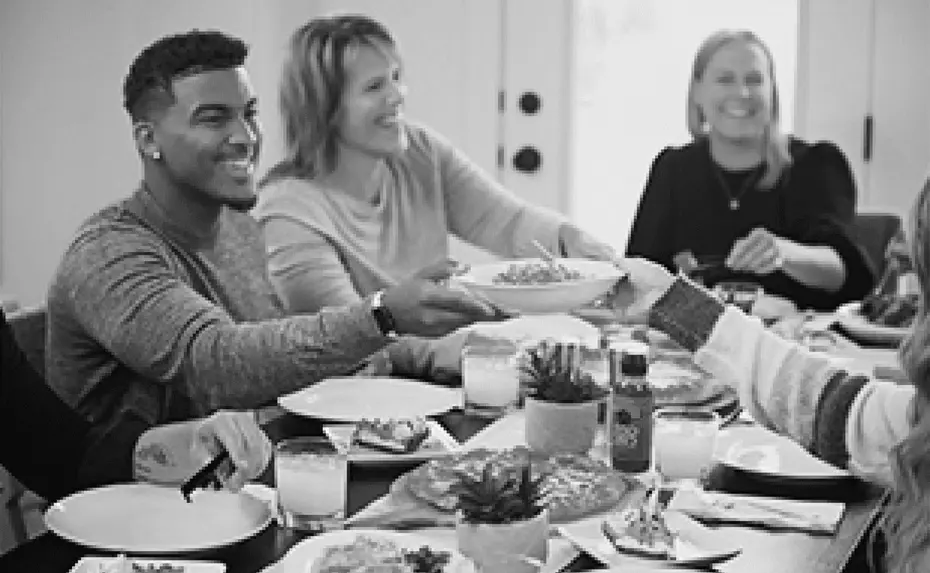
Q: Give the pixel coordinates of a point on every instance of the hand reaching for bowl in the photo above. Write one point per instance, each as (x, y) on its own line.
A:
(425, 305)
(576, 243)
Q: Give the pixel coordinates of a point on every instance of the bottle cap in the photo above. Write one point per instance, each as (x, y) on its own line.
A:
(634, 364)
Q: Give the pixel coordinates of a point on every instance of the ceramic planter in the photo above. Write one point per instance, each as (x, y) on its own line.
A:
(505, 548)
(554, 428)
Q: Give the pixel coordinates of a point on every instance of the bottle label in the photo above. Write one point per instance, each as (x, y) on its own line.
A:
(631, 428)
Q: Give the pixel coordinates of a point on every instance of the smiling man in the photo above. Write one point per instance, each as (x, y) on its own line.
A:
(160, 309)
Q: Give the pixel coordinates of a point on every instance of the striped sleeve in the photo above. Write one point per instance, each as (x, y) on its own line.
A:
(846, 420)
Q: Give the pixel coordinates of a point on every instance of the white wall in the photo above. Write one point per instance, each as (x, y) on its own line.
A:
(65, 140)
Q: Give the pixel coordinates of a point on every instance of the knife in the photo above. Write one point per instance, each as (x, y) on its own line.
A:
(400, 524)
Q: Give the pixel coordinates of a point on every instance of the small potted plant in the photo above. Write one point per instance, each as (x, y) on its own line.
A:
(502, 523)
(561, 404)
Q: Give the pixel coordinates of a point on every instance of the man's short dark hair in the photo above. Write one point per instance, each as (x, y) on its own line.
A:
(147, 87)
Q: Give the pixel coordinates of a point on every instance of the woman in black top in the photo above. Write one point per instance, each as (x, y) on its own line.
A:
(43, 442)
(771, 207)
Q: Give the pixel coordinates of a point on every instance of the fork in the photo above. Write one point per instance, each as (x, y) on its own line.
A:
(546, 255)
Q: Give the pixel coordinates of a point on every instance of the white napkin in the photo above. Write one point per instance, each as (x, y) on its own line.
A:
(810, 516)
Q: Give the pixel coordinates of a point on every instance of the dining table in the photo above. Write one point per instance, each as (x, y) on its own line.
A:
(369, 491)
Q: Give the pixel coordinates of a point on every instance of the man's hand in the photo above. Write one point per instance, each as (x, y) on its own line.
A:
(240, 435)
(424, 306)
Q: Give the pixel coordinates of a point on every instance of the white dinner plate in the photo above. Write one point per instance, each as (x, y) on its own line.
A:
(357, 398)
(849, 317)
(300, 557)
(439, 444)
(93, 564)
(140, 518)
(758, 451)
(598, 277)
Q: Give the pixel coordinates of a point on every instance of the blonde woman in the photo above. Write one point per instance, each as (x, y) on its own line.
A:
(365, 197)
(877, 429)
(767, 206)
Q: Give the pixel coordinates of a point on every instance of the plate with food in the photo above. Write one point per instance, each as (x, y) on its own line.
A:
(393, 441)
(575, 486)
(350, 399)
(123, 564)
(535, 286)
(639, 534)
(147, 519)
(882, 319)
(667, 535)
(372, 550)
(676, 381)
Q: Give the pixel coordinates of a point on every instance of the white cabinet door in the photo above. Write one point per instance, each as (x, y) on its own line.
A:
(537, 90)
(835, 78)
(900, 104)
(869, 58)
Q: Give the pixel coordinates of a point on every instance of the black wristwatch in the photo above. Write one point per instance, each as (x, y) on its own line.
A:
(383, 317)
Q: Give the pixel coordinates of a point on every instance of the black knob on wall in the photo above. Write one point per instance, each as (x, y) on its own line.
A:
(530, 103)
(527, 159)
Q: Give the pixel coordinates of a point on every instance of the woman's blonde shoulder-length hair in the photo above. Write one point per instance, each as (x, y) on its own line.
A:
(313, 78)
(777, 155)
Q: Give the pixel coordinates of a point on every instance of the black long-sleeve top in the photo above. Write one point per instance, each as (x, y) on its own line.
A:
(686, 206)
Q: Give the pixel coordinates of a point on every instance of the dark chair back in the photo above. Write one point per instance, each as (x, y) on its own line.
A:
(28, 326)
(874, 232)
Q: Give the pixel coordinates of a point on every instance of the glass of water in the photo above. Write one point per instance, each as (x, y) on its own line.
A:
(490, 378)
(684, 441)
(311, 475)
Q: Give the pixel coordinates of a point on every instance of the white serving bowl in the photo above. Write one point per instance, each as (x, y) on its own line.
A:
(598, 277)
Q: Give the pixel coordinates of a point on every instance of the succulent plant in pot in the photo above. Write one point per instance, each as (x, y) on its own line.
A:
(561, 403)
(502, 523)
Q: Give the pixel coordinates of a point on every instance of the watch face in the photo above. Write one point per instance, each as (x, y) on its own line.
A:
(383, 316)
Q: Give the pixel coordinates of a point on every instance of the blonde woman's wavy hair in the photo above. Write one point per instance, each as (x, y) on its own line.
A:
(310, 92)
(777, 156)
(906, 523)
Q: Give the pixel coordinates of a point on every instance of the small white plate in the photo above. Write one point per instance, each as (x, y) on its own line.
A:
(140, 518)
(300, 557)
(98, 564)
(439, 444)
(758, 451)
(849, 317)
(352, 399)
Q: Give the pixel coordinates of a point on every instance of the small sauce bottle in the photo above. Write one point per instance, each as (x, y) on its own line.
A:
(631, 406)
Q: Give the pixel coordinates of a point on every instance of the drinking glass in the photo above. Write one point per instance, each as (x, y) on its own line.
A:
(311, 474)
(490, 378)
(683, 442)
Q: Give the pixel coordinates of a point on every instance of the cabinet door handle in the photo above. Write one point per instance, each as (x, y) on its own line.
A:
(867, 130)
